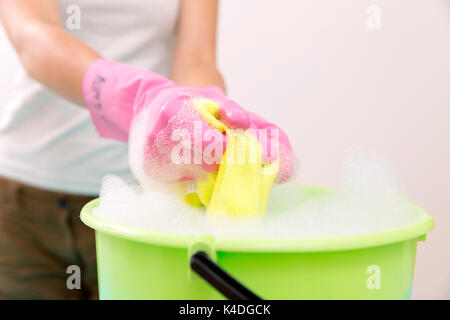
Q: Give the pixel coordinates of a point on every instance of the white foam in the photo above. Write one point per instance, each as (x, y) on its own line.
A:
(368, 202)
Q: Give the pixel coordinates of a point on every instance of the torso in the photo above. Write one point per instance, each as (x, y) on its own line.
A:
(50, 143)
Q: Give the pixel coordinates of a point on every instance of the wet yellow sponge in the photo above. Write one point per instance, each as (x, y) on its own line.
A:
(242, 184)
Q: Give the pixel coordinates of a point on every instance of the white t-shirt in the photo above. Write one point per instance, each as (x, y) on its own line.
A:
(51, 143)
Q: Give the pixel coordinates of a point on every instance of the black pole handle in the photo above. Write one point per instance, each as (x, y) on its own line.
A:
(220, 279)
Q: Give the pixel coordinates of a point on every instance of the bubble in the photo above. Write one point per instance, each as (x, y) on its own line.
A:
(367, 202)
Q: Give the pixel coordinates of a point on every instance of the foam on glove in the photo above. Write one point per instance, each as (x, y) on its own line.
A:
(242, 184)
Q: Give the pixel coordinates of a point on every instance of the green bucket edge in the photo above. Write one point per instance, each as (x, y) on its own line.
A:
(326, 244)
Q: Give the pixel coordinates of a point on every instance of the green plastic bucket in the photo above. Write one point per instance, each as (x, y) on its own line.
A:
(138, 264)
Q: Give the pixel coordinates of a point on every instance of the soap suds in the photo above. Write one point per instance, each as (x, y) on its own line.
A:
(367, 202)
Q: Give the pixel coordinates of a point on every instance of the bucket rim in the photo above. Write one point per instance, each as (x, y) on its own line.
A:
(322, 244)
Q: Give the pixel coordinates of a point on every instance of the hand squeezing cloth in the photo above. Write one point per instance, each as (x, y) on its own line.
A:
(242, 184)
(121, 97)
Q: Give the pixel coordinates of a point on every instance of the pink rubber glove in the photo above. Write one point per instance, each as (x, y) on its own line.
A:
(274, 134)
(115, 93)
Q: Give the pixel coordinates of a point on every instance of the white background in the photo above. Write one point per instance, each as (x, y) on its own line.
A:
(314, 67)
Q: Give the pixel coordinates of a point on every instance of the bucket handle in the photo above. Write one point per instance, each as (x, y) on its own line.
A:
(221, 280)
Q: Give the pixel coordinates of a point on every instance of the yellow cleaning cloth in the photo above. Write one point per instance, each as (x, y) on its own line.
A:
(242, 184)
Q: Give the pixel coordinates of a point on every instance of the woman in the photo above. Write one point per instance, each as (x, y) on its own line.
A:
(51, 157)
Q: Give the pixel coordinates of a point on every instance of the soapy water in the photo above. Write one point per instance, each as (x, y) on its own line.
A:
(367, 202)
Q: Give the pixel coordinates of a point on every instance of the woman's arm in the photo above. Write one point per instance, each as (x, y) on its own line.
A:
(48, 53)
(194, 61)
(58, 60)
